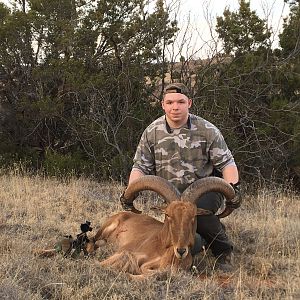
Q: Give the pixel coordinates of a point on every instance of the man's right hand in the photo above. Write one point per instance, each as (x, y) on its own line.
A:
(127, 204)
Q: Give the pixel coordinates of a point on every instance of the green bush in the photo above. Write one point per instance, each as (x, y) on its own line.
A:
(57, 164)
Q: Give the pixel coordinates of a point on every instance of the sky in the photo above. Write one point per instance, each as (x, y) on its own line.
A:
(201, 17)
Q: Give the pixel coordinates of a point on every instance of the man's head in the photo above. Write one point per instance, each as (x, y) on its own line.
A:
(176, 104)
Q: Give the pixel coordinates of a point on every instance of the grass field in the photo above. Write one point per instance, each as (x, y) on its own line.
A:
(36, 211)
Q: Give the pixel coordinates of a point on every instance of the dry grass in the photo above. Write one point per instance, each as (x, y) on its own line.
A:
(36, 211)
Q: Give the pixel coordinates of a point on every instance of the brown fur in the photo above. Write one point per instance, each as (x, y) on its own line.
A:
(145, 245)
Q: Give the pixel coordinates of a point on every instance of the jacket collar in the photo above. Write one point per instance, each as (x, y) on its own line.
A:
(187, 125)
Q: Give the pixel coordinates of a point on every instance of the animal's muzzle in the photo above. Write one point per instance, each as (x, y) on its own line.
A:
(181, 252)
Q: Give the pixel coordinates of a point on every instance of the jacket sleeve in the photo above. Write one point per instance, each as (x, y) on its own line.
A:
(219, 153)
(144, 156)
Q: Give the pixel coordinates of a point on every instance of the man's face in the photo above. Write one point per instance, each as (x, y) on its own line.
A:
(176, 107)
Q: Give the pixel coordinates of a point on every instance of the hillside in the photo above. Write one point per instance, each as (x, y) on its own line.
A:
(36, 211)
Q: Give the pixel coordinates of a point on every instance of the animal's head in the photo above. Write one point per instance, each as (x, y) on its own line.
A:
(181, 224)
(181, 210)
(180, 221)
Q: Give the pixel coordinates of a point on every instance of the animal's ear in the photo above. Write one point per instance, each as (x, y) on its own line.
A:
(203, 212)
(160, 209)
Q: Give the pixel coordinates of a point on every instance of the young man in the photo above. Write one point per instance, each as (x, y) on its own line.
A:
(182, 148)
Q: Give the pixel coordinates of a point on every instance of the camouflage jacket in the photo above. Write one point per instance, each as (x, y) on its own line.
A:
(182, 155)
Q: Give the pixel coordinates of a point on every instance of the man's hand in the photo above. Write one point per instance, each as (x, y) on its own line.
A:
(126, 203)
(237, 200)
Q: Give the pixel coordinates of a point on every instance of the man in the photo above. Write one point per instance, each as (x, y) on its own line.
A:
(182, 148)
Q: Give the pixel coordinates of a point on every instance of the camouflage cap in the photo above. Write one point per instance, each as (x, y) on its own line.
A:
(177, 87)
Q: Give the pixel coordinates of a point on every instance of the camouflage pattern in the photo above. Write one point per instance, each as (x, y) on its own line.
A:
(182, 155)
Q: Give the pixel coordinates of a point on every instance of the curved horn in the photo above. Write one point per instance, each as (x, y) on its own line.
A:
(152, 183)
(209, 184)
(226, 212)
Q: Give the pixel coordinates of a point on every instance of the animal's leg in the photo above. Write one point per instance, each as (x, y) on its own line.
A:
(138, 277)
(122, 261)
(151, 266)
(102, 234)
(106, 229)
(93, 245)
(45, 253)
(148, 269)
(111, 261)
